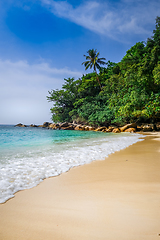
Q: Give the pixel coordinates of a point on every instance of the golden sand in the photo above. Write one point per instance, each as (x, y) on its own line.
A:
(118, 198)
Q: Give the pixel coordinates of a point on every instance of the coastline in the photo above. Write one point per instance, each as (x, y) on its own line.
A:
(117, 198)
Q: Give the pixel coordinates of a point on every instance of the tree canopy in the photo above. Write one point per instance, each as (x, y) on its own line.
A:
(130, 92)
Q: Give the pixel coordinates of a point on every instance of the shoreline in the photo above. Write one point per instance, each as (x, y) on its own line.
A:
(116, 198)
(53, 158)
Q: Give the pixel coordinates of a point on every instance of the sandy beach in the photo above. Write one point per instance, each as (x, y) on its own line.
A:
(118, 198)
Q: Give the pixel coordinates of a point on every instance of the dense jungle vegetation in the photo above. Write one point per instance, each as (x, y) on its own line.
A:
(119, 93)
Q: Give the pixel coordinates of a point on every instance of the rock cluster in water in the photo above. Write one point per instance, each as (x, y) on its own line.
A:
(132, 127)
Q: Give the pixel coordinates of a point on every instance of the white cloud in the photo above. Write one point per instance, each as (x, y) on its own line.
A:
(24, 88)
(113, 19)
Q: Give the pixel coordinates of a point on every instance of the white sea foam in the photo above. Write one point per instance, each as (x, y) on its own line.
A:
(26, 169)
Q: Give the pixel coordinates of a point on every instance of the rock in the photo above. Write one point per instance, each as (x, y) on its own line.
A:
(147, 127)
(130, 125)
(131, 130)
(139, 128)
(104, 130)
(77, 127)
(80, 127)
(99, 129)
(87, 128)
(52, 125)
(91, 128)
(65, 124)
(68, 128)
(20, 125)
(116, 130)
(74, 122)
(158, 126)
(110, 129)
(46, 124)
(33, 125)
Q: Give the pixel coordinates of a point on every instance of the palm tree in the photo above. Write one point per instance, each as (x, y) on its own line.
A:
(94, 61)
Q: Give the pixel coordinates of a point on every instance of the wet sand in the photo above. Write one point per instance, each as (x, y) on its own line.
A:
(118, 198)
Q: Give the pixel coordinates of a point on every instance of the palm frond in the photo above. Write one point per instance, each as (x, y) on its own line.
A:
(97, 65)
(88, 57)
(86, 62)
(101, 62)
(97, 54)
(102, 58)
(92, 53)
(91, 65)
(87, 66)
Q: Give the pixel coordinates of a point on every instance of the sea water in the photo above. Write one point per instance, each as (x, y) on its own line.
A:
(29, 155)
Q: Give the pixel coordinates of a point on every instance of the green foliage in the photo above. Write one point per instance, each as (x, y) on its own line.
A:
(156, 75)
(64, 100)
(129, 90)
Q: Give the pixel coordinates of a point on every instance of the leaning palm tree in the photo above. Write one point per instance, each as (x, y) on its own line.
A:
(94, 61)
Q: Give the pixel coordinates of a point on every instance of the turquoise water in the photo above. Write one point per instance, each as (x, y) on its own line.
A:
(29, 155)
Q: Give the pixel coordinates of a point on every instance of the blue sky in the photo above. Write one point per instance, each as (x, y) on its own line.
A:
(43, 41)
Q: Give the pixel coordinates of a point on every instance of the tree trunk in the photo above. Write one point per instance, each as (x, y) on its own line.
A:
(98, 80)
